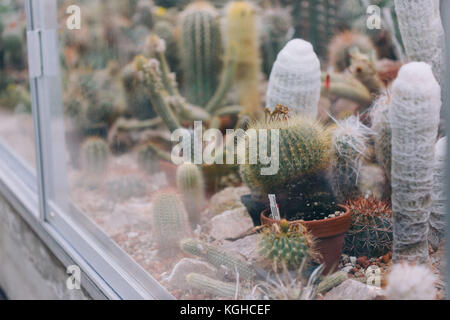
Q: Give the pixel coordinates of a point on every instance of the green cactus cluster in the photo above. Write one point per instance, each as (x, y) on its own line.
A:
(304, 149)
(201, 49)
(170, 223)
(218, 258)
(191, 186)
(95, 156)
(286, 244)
(370, 232)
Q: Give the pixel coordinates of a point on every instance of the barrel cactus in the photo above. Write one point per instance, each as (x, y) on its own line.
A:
(414, 119)
(370, 232)
(286, 244)
(295, 79)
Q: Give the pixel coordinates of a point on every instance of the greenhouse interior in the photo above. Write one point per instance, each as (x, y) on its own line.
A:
(224, 150)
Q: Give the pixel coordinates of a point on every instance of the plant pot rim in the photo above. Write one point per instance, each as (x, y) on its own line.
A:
(319, 228)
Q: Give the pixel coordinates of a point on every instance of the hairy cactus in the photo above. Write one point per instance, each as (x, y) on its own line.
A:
(382, 134)
(410, 282)
(148, 159)
(286, 244)
(190, 185)
(343, 44)
(170, 224)
(438, 211)
(304, 148)
(414, 119)
(95, 154)
(218, 258)
(201, 48)
(242, 44)
(422, 32)
(295, 79)
(349, 149)
(370, 232)
(331, 281)
(212, 286)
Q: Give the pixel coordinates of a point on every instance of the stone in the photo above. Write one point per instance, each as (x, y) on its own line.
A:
(227, 199)
(230, 224)
(246, 247)
(353, 290)
(347, 269)
(353, 261)
(177, 278)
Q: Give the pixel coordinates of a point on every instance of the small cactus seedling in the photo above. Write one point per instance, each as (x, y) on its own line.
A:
(170, 224)
(286, 244)
(95, 153)
(370, 232)
(190, 185)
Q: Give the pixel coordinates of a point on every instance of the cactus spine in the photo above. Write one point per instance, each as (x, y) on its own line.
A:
(438, 212)
(95, 153)
(295, 79)
(212, 286)
(190, 185)
(170, 224)
(201, 50)
(422, 32)
(414, 119)
(242, 43)
(349, 148)
(218, 258)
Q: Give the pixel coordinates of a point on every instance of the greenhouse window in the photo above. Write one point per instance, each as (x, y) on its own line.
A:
(230, 149)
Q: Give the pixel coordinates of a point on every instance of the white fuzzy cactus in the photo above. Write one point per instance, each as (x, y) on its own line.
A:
(414, 119)
(410, 282)
(422, 32)
(438, 211)
(295, 79)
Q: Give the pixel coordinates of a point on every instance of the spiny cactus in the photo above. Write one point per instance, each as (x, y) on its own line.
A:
(331, 281)
(242, 44)
(382, 134)
(370, 232)
(410, 282)
(438, 211)
(414, 118)
(95, 154)
(286, 244)
(166, 31)
(343, 43)
(422, 32)
(304, 148)
(218, 258)
(170, 224)
(295, 79)
(201, 48)
(148, 159)
(363, 68)
(212, 286)
(190, 185)
(349, 149)
(125, 188)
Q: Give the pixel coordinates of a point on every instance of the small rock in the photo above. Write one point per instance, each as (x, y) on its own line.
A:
(246, 247)
(353, 260)
(177, 278)
(347, 269)
(353, 290)
(227, 199)
(230, 224)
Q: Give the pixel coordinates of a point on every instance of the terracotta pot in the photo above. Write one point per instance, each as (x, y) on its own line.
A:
(329, 236)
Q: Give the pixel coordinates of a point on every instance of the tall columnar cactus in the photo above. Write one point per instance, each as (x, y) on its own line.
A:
(349, 148)
(304, 148)
(414, 119)
(286, 244)
(370, 232)
(422, 32)
(170, 224)
(242, 46)
(438, 210)
(200, 50)
(218, 258)
(212, 286)
(295, 79)
(190, 185)
(331, 281)
(95, 154)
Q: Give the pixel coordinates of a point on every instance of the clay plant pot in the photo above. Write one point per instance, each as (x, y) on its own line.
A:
(329, 236)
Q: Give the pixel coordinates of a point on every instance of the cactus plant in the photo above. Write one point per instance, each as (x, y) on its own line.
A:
(218, 258)
(382, 134)
(286, 244)
(201, 48)
(331, 281)
(295, 79)
(190, 185)
(212, 286)
(363, 68)
(349, 149)
(370, 232)
(242, 44)
(95, 154)
(166, 31)
(422, 32)
(414, 119)
(438, 211)
(170, 224)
